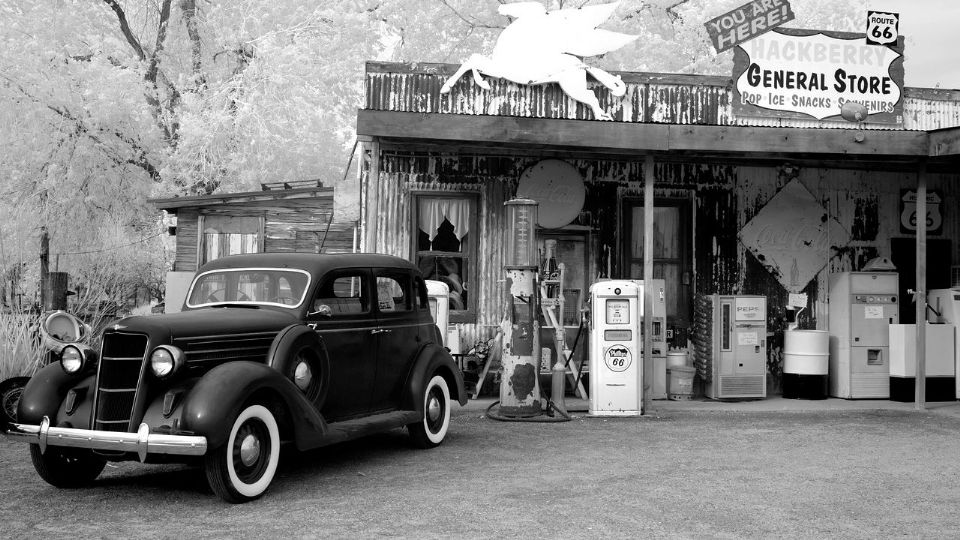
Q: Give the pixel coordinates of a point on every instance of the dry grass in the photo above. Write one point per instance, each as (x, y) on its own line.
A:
(20, 352)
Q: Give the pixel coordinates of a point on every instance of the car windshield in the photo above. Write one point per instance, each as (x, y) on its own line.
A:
(254, 286)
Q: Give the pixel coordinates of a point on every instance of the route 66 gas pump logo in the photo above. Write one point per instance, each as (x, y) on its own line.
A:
(908, 212)
(617, 358)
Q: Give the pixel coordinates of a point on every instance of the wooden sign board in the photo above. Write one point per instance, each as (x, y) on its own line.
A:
(747, 22)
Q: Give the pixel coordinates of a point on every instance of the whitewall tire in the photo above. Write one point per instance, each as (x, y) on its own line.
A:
(432, 428)
(243, 468)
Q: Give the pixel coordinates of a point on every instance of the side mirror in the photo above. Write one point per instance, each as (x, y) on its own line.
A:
(323, 310)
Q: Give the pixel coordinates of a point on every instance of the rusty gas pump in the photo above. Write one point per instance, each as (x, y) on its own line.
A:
(520, 386)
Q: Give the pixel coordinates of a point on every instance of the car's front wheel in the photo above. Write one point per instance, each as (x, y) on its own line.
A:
(432, 428)
(241, 469)
(66, 467)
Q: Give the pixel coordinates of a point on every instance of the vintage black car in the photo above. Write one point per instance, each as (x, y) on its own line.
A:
(269, 349)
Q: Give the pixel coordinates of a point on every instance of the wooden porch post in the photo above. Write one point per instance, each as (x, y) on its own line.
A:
(647, 371)
(921, 289)
(371, 192)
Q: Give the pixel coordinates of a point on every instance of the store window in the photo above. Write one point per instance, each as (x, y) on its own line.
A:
(229, 235)
(446, 248)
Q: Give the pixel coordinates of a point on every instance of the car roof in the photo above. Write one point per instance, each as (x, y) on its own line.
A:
(311, 262)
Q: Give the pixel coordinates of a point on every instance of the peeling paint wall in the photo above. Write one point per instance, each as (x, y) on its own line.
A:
(725, 197)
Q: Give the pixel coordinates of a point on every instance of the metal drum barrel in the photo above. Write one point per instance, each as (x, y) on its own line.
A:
(806, 364)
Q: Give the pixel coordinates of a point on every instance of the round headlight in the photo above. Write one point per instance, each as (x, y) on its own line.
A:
(165, 360)
(72, 359)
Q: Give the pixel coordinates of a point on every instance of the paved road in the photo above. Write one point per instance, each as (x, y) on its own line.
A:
(686, 474)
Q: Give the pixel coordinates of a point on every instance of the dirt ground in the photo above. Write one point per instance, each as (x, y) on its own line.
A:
(676, 475)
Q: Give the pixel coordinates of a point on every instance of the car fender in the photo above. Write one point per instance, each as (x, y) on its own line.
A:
(221, 393)
(285, 345)
(432, 358)
(45, 391)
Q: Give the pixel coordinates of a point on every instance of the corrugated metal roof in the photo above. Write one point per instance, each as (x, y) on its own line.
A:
(650, 98)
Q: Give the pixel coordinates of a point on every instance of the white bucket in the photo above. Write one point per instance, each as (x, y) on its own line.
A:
(676, 359)
(806, 352)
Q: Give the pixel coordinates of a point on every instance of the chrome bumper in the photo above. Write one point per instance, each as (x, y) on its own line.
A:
(142, 442)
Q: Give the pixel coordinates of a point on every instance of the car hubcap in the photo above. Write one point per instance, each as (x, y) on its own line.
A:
(249, 450)
(434, 409)
(302, 376)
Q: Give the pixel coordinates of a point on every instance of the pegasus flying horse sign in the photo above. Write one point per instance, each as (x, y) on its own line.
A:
(541, 47)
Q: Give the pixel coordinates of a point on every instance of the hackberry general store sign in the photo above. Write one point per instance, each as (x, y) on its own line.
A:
(810, 74)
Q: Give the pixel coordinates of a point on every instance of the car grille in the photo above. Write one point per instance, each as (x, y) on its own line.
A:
(121, 368)
(212, 350)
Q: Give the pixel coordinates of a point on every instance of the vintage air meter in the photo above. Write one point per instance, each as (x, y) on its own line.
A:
(615, 348)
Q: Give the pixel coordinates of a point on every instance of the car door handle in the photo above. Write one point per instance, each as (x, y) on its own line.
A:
(380, 331)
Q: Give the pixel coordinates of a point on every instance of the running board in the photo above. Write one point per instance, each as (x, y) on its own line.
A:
(361, 427)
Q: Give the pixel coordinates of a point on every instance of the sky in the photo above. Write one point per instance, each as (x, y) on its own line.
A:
(932, 32)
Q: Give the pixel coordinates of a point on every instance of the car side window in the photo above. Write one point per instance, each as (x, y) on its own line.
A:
(343, 294)
(393, 293)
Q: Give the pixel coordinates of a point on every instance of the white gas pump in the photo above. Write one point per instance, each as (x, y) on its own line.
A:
(616, 371)
(438, 296)
(946, 302)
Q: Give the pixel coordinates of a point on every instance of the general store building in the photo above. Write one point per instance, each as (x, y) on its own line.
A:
(437, 169)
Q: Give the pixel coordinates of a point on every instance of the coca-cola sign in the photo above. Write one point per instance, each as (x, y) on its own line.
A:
(791, 236)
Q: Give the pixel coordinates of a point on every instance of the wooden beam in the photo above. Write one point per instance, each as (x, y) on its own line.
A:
(647, 371)
(786, 141)
(920, 396)
(741, 141)
(246, 196)
(372, 192)
(945, 142)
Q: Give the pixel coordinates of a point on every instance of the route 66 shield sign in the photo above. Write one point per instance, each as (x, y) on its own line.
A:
(882, 28)
(908, 212)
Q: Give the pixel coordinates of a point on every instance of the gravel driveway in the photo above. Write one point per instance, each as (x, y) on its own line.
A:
(681, 475)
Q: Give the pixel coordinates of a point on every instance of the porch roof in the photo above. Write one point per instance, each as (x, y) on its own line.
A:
(845, 148)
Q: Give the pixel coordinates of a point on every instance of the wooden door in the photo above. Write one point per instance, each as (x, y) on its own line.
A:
(672, 254)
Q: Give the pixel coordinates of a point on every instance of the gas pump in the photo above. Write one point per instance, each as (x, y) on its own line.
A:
(520, 387)
(615, 348)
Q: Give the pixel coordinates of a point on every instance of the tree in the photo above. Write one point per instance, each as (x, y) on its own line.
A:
(107, 102)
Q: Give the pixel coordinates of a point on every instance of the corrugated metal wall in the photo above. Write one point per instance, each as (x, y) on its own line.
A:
(657, 98)
(725, 198)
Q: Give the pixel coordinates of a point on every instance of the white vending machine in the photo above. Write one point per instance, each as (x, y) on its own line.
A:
(863, 305)
(615, 348)
(739, 347)
(946, 303)
(658, 338)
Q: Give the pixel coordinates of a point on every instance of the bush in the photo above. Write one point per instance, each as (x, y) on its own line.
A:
(20, 350)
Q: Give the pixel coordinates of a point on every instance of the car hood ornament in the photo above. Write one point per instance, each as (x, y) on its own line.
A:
(541, 47)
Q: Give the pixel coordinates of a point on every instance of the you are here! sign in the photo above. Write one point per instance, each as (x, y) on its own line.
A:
(810, 74)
